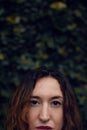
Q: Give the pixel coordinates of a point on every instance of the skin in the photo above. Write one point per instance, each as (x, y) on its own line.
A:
(46, 105)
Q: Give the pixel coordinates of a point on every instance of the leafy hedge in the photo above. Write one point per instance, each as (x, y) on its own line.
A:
(37, 32)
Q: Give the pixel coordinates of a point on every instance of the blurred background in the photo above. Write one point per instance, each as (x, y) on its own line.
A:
(43, 32)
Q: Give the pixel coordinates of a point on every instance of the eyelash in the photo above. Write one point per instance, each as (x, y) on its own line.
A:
(34, 102)
(53, 103)
(56, 103)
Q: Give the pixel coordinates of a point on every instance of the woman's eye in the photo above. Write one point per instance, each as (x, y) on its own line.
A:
(56, 103)
(34, 102)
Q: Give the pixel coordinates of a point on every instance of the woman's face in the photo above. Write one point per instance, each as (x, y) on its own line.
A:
(46, 106)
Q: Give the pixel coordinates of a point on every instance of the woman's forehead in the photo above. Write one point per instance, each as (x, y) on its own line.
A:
(47, 86)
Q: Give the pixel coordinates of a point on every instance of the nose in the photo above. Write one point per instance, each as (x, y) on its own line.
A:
(44, 114)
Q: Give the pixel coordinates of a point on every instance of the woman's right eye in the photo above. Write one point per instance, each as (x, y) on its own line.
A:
(34, 102)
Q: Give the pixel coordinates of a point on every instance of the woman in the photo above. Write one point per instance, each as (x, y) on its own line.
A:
(44, 101)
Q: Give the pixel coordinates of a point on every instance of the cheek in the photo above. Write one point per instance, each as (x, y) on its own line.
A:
(58, 119)
(59, 116)
(32, 116)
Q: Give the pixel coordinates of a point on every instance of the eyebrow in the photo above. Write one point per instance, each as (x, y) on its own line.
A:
(54, 97)
(57, 97)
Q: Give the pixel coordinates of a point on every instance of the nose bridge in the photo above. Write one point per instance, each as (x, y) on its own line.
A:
(44, 113)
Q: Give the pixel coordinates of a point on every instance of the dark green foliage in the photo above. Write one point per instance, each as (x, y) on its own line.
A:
(37, 32)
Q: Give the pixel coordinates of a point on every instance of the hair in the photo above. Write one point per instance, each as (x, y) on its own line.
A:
(17, 118)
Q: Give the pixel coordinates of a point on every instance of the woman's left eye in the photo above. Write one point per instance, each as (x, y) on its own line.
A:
(56, 103)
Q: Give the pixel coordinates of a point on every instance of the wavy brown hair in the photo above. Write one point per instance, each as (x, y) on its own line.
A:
(18, 109)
